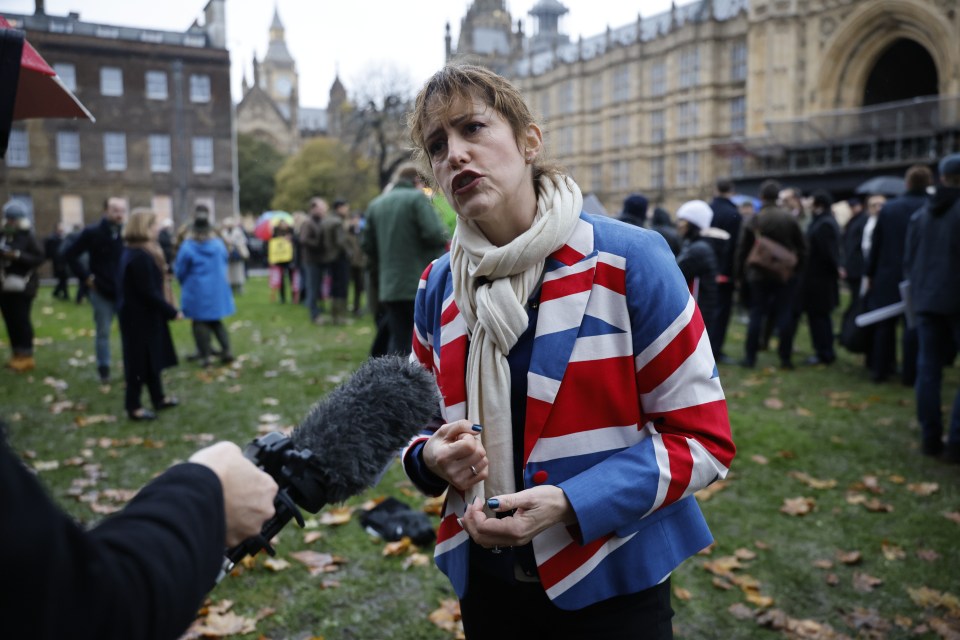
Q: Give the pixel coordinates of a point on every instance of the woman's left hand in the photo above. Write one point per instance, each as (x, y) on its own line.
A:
(537, 510)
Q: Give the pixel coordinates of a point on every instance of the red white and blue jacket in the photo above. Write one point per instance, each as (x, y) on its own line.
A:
(625, 412)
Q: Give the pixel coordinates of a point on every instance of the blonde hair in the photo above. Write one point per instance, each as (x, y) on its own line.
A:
(138, 225)
(458, 81)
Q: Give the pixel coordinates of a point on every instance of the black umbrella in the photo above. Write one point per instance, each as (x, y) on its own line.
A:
(892, 186)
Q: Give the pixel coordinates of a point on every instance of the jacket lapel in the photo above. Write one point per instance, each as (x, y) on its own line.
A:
(568, 280)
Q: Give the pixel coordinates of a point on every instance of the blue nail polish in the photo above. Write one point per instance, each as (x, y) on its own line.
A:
(477, 428)
(493, 503)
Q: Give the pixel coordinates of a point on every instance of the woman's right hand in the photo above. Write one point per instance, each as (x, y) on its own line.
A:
(454, 452)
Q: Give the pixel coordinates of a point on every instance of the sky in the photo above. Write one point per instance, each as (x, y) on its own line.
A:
(349, 37)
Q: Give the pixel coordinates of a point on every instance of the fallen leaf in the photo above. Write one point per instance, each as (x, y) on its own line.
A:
(812, 482)
(797, 506)
(759, 459)
(832, 579)
(270, 402)
(786, 454)
(892, 552)
(760, 544)
(745, 554)
(433, 506)
(86, 421)
(312, 536)
(762, 601)
(318, 563)
(923, 488)
(708, 492)
(447, 617)
(868, 622)
(876, 506)
(399, 547)
(328, 583)
(928, 554)
(336, 516)
(276, 564)
(723, 566)
(804, 412)
(823, 564)
(46, 465)
(416, 560)
(865, 583)
(849, 557)
(682, 594)
(721, 584)
(953, 515)
(930, 598)
(773, 403)
(896, 479)
(741, 611)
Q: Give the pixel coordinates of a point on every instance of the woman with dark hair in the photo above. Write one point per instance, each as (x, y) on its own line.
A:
(576, 381)
(20, 255)
(144, 309)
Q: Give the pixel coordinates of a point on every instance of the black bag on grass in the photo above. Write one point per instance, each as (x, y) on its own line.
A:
(393, 520)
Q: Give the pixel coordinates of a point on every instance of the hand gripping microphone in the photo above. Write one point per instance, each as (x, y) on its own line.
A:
(342, 445)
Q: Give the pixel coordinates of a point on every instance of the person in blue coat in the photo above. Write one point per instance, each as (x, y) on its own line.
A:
(205, 296)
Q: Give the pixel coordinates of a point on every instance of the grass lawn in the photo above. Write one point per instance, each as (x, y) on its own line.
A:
(872, 550)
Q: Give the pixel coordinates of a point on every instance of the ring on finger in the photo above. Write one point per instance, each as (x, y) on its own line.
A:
(474, 469)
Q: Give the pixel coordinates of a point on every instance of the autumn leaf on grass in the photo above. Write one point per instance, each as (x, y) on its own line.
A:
(803, 412)
(318, 563)
(336, 516)
(86, 421)
(931, 598)
(892, 552)
(219, 624)
(46, 465)
(868, 622)
(447, 617)
(876, 506)
(312, 536)
(708, 492)
(682, 594)
(864, 582)
(952, 515)
(823, 564)
(741, 611)
(773, 403)
(759, 459)
(433, 506)
(923, 488)
(928, 555)
(849, 557)
(721, 583)
(276, 564)
(399, 547)
(745, 554)
(812, 482)
(198, 437)
(270, 402)
(416, 560)
(832, 579)
(723, 566)
(800, 506)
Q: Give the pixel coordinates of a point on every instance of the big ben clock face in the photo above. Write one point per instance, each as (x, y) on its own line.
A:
(283, 86)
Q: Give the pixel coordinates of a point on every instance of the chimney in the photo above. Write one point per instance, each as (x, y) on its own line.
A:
(40, 9)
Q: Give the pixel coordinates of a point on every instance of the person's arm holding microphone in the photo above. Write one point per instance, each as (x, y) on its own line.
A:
(142, 572)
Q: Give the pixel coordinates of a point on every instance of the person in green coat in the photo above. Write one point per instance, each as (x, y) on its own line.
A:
(403, 235)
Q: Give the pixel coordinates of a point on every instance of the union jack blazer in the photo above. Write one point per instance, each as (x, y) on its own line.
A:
(625, 412)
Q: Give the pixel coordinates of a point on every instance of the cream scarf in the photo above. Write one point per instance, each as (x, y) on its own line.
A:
(491, 286)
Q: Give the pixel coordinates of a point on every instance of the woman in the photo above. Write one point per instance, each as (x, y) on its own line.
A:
(699, 256)
(236, 241)
(205, 295)
(20, 255)
(144, 309)
(573, 366)
(280, 257)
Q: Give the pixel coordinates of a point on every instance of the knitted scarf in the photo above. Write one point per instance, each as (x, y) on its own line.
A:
(491, 286)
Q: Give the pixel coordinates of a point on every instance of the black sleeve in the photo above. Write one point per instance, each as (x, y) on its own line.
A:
(140, 283)
(142, 573)
(72, 255)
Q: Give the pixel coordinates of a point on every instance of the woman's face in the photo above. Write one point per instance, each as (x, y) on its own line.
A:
(153, 231)
(477, 163)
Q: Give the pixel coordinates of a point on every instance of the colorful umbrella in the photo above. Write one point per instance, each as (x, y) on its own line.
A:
(267, 221)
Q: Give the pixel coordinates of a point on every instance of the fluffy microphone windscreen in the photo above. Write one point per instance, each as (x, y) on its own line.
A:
(355, 430)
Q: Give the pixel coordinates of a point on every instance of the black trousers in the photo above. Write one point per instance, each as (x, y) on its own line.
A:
(723, 311)
(498, 610)
(821, 335)
(135, 386)
(15, 308)
(400, 324)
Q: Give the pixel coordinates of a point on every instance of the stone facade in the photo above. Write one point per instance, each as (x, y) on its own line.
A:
(163, 132)
(812, 92)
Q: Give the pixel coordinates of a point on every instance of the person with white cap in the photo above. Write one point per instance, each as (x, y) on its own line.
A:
(20, 255)
(932, 264)
(699, 258)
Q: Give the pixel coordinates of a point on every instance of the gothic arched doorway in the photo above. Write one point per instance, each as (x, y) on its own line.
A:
(905, 70)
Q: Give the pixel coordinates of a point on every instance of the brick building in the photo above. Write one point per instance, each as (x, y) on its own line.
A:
(163, 136)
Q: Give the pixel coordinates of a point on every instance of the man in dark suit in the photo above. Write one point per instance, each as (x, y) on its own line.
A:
(726, 216)
(103, 245)
(884, 271)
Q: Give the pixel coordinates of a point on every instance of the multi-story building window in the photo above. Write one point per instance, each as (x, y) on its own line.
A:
(111, 81)
(621, 83)
(688, 169)
(620, 173)
(686, 119)
(67, 73)
(545, 103)
(596, 136)
(596, 92)
(738, 115)
(202, 155)
(658, 78)
(566, 140)
(160, 153)
(71, 210)
(689, 67)
(656, 173)
(596, 177)
(115, 151)
(738, 61)
(737, 166)
(658, 127)
(18, 148)
(68, 150)
(566, 97)
(162, 206)
(620, 131)
(199, 88)
(156, 85)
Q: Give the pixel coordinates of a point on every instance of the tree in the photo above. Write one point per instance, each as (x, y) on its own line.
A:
(323, 167)
(257, 166)
(375, 123)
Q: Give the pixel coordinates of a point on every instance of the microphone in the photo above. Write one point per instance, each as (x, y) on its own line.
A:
(342, 445)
